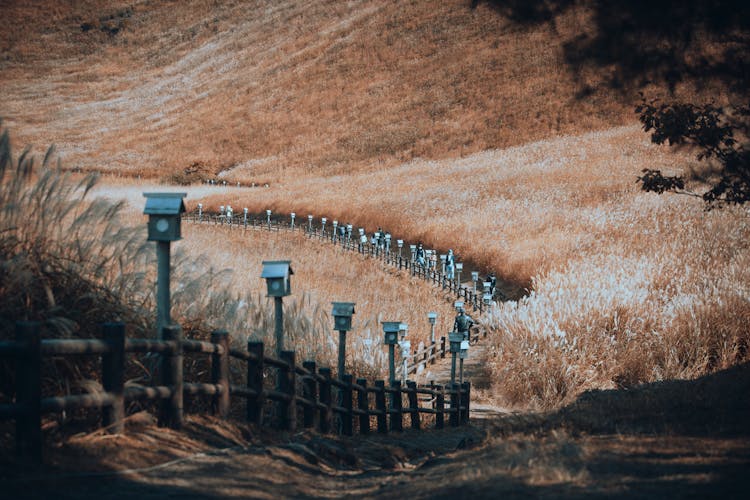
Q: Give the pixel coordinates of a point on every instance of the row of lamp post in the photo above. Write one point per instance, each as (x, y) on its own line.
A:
(226, 212)
(164, 211)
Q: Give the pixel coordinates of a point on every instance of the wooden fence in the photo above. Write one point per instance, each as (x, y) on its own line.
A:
(471, 297)
(302, 396)
(420, 356)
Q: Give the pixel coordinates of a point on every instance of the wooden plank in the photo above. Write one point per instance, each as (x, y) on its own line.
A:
(413, 404)
(326, 414)
(220, 373)
(397, 422)
(113, 377)
(310, 391)
(287, 385)
(254, 408)
(171, 414)
(363, 404)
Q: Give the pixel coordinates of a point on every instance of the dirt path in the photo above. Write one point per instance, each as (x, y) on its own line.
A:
(492, 458)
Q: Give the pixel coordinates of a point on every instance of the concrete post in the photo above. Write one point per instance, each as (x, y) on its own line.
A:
(279, 325)
(162, 287)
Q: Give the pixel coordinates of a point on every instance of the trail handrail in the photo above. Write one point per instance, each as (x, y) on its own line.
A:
(343, 405)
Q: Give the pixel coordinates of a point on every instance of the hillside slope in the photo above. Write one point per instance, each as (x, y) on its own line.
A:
(152, 88)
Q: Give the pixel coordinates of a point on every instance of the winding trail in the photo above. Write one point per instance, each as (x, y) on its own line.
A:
(439, 372)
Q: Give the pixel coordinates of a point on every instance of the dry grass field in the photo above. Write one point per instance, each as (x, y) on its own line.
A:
(460, 128)
(270, 91)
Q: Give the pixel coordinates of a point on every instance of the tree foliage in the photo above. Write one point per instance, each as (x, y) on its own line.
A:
(719, 134)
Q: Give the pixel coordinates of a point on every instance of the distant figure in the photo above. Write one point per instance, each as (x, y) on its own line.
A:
(463, 323)
(450, 265)
(493, 282)
(420, 256)
(433, 260)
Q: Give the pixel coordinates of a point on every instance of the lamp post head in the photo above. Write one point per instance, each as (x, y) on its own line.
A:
(391, 329)
(164, 210)
(432, 316)
(277, 274)
(342, 315)
(455, 339)
(463, 349)
(403, 330)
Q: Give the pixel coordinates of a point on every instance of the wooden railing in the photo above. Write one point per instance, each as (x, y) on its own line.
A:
(471, 297)
(303, 396)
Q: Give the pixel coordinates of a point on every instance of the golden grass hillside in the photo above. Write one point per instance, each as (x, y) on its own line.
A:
(457, 127)
(269, 90)
(625, 287)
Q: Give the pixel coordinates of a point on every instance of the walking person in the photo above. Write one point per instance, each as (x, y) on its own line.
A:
(450, 265)
(420, 259)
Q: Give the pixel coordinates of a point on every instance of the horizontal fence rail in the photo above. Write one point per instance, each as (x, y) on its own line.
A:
(275, 391)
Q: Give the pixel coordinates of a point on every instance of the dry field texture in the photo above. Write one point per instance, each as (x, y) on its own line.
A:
(268, 91)
(468, 129)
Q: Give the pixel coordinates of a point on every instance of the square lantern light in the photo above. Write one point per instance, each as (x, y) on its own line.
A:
(474, 276)
(432, 316)
(391, 329)
(459, 266)
(403, 329)
(400, 243)
(342, 315)
(487, 299)
(455, 339)
(277, 273)
(458, 304)
(163, 210)
(463, 352)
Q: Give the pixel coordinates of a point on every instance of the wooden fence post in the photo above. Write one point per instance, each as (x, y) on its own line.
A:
(466, 401)
(380, 406)
(326, 414)
(442, 347)
(255, 382)
(310, 392)
(455, 394)
(113, 375)
(440, 407)
(433, 352)
(171, 414)
(413, 404)
(220, 373)
(348, 404)
(397, 422)
(363, 404)
(287, 385)
(29, 392)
